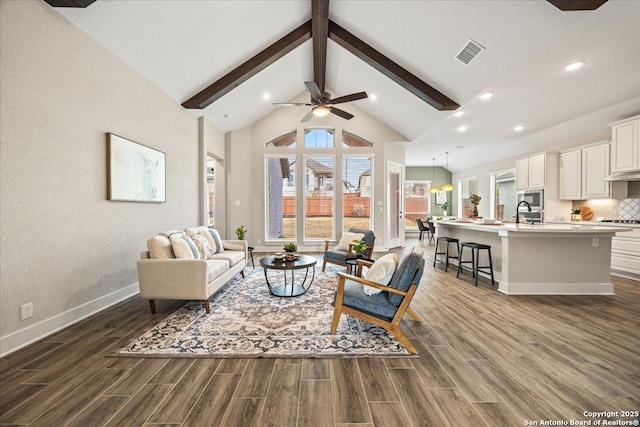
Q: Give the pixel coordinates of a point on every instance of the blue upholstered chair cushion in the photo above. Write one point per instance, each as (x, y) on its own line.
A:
(409, 271)
(336, 254)
(377, 305)
(340, 256)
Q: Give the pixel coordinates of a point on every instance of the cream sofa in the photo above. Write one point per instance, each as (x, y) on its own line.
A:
(162, 276)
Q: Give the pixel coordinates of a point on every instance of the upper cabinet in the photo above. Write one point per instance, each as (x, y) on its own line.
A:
(530, 172)
(522, 174)
(582, 171)
(537, 171)
(625, 145)
(571, 175)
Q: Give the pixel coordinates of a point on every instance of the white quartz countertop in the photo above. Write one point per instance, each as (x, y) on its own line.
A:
(506, 229)
(597, 224)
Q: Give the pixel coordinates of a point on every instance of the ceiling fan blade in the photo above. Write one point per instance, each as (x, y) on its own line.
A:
(308, 117)
(341, 113)
(290, 104)
(313, 89)
(348, 98)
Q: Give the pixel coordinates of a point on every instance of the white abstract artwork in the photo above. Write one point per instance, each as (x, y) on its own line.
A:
(136, 172)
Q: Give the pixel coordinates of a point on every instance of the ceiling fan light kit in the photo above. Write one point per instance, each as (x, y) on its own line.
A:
(321, 111)
(322, 103)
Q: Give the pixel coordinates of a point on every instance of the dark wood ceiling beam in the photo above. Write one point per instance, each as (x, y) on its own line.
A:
(250, 68)
(390, 69)
(320, 32)
(573, 5)
(70, 3)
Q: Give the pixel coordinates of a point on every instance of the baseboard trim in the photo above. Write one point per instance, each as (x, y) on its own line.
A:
(556, 288)
(22, 338)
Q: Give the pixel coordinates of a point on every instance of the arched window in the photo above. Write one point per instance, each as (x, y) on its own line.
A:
(318, 137)
(286, 140)
(352, 140)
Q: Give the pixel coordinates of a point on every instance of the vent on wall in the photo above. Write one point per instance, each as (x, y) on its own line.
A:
(470, 51)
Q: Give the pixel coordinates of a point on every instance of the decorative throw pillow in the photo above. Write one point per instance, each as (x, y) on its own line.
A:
(183, 247)
(201, 242)
(217, 241)
(381, 272)
(347, 239)
(160, 247)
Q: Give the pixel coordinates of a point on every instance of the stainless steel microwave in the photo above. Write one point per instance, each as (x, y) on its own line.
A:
(535, 198)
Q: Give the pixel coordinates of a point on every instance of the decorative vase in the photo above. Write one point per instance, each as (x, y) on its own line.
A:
(475, 210)
(576, 217)
(445, 213)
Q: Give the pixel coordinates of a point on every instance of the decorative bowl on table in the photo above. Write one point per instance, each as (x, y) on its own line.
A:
(489, 221)
(290, 256)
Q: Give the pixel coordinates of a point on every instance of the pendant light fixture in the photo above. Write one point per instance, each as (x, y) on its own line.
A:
(447, 187)
(433, 189)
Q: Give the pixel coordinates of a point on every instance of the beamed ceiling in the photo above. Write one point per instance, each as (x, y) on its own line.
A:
(218, 58)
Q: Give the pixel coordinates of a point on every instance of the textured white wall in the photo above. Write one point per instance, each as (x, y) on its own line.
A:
(63, 244)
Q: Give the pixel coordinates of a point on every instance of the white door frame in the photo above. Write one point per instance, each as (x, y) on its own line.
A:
(395, 168)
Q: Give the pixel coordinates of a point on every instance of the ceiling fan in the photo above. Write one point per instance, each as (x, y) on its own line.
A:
(322, 103)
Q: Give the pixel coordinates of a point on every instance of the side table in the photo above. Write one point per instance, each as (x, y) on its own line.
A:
(352, 263)
(250, 250)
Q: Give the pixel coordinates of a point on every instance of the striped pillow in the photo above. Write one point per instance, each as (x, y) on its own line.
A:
(217, 246)
(201, 242)
(183, 247)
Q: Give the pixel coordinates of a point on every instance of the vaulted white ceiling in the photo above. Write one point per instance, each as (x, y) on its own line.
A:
(183, 46)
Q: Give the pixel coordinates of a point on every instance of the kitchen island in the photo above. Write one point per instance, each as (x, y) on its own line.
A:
(544, 259)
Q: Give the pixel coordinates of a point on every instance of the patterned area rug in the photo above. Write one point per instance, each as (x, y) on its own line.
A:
(247, 321)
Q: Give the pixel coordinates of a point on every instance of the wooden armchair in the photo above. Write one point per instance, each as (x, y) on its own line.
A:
(386, 308)
(337, 256)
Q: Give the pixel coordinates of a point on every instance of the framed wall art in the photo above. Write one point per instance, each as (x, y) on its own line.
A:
(135, 172)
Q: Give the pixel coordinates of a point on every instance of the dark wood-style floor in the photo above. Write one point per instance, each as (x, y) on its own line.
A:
(485, 359)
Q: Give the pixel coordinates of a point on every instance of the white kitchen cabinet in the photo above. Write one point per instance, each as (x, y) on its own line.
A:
(625, 145)
(530, 172)
(537, 171)
(582, 171)
(595, 167)
(625, 254)
(571, 175)
(522, 174)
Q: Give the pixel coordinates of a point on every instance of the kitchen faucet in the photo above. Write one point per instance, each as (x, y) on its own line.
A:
(518, 207)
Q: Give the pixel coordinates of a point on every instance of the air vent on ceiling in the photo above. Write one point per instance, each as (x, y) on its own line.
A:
(470, 51)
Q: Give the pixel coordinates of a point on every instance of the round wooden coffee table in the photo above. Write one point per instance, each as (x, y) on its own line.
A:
(290, 288)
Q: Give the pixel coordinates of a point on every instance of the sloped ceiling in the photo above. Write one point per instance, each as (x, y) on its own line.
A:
(183, 46)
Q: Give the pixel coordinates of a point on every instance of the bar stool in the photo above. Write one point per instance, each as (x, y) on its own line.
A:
(446, 241)
(475, 260)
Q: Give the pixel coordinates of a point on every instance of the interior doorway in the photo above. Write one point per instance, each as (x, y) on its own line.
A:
(211, 191)
(395, 205)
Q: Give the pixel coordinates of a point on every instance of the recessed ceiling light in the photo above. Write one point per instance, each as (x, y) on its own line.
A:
(486, 95)
(462, 128)
(459, 113)
(266, 96)
(518, 128)
(373, 97)
(574, 66)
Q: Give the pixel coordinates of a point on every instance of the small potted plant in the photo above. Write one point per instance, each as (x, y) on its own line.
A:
(241, 232)
(475, 200)
(445, 207)
(359, 247)
(576, 214)
(290, 248)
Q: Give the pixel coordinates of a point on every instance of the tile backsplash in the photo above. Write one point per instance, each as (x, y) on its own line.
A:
(611, 208)
(629, 209)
